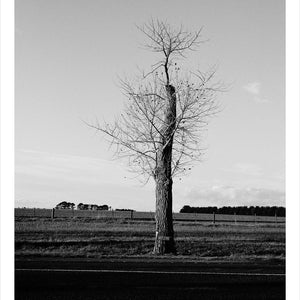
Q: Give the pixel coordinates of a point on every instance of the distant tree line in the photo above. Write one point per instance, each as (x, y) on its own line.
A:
(65, 205)
(239, 210)
(81, 206)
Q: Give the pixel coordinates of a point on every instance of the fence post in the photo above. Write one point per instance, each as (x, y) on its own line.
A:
(52, 213)
(131, 214)
(214, 218)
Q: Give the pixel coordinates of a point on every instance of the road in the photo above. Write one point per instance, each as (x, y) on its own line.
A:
(137, 278)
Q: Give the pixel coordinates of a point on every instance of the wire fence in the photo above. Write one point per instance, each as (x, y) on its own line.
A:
(148, 216)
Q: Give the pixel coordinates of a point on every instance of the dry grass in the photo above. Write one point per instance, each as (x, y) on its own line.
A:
(98, 237)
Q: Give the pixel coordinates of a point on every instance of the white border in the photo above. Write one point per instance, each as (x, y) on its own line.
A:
(7, 151)
(292, 148)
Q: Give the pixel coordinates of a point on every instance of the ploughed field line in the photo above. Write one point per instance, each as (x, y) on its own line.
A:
(155, 272)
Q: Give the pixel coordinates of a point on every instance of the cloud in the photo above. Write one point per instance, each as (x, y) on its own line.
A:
(254, 89)
(45, 179)
(234, 196)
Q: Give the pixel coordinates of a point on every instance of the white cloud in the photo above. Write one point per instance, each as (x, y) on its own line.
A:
(44, 179)
(234, 196)
(254, 88)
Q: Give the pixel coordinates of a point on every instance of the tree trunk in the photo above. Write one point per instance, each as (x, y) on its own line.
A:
(164, 238)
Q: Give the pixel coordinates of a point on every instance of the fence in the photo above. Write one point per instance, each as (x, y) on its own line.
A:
(139, 215)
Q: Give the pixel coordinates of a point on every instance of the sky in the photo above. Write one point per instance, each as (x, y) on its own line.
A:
(68, 58)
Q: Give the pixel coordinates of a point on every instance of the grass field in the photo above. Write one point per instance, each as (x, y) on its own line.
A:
(81, 237)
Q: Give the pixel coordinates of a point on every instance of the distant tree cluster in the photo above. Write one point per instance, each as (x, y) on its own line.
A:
(65, 205)
(124, 209)
(82, 206)
(239, 210)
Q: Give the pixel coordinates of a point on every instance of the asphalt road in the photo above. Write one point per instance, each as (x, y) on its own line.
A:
(146, 279)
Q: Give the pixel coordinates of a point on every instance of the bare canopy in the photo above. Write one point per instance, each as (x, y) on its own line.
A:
(138, 130)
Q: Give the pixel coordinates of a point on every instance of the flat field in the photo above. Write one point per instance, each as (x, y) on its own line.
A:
(96, 238)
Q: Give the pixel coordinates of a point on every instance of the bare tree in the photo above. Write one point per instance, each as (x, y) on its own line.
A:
(166, 110)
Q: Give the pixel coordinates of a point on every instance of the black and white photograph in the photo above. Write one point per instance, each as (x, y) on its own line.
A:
(150, 151)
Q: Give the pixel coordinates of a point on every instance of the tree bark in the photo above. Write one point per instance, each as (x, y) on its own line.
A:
(164, 238)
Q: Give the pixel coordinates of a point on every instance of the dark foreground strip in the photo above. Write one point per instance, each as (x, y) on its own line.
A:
(152, 272)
